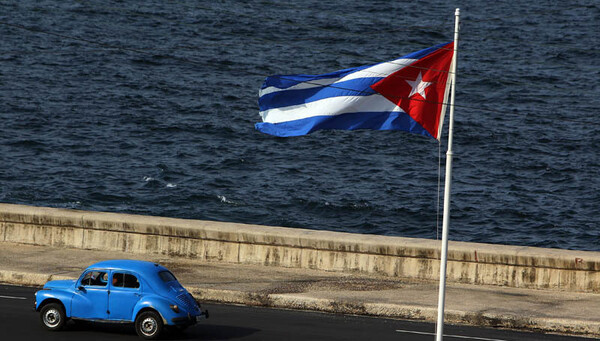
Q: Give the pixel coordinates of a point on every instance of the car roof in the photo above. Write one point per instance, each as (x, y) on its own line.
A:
(128, 264)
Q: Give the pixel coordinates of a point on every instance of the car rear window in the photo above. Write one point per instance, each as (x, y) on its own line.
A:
(166, 276)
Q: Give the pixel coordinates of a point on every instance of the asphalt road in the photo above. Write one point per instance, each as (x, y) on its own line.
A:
(18, 321)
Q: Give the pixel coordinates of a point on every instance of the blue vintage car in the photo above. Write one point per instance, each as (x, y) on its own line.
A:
(120, 291)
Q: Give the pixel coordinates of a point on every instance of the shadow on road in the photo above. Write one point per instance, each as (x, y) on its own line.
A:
(198, 332)
(212, 332)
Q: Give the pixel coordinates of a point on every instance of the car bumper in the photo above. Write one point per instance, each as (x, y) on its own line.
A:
(190, 319)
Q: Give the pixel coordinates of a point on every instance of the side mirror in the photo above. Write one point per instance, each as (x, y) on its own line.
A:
(81, 288)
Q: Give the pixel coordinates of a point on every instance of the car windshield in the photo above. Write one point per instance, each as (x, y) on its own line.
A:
(166, 276)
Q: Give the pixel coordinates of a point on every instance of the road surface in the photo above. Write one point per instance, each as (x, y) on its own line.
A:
(18, 321)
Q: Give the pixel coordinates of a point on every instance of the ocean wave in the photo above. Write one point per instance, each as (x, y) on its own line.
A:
(158, 117)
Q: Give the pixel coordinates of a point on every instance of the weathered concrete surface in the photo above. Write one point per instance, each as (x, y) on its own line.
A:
(545, 310)
(411, 258)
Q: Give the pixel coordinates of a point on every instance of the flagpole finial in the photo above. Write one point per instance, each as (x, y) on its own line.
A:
(457, 11)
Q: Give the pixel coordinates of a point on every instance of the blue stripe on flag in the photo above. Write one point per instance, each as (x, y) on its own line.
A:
(423, 53)
(286, 81)
(351, 121)
(354, 87)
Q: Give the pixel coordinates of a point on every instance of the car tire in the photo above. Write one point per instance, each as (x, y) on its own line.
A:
(149, 325)
(53, 316)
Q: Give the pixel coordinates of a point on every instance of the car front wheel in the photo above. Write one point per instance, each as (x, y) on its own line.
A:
(53, 316)
(149, 325)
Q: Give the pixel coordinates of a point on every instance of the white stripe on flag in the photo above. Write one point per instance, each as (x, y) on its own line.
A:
(331, 106)
(380, 70)
(304, 85)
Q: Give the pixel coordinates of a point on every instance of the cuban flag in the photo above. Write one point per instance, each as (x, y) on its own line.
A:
(407, 94)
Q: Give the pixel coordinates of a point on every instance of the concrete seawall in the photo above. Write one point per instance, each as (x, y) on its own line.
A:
(471, 263)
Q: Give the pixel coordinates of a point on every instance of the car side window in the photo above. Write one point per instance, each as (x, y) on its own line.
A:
(117, 280)
(131, 281)
(95, 278)
(122, 280)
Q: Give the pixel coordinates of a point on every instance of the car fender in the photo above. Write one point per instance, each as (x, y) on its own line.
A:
(63, 296)
(157, 303)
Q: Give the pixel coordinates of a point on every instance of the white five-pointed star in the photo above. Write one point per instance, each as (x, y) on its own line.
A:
(418, 86)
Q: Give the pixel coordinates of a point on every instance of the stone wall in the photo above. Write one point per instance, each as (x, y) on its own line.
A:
(473, 263)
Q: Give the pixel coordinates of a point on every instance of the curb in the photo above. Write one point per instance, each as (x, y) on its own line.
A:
(28, 278)
(301, 302)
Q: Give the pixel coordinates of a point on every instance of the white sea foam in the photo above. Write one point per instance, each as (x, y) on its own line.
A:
(224, 199)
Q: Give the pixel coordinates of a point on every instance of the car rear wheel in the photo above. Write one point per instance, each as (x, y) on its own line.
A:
(53, 316)
(149, 325)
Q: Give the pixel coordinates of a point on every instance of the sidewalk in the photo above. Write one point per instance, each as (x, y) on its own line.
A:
(550, 311)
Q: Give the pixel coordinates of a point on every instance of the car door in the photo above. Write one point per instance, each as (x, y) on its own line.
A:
(125, 292)
(90, 300)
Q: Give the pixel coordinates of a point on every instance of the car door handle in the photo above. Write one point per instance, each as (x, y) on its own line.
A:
(138, 295)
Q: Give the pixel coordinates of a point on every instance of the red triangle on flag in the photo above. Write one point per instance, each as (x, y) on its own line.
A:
(420, 88)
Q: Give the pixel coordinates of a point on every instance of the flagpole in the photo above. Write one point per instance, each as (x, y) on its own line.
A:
(446, 220)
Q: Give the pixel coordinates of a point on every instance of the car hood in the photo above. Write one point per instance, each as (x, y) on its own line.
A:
(59, 284)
